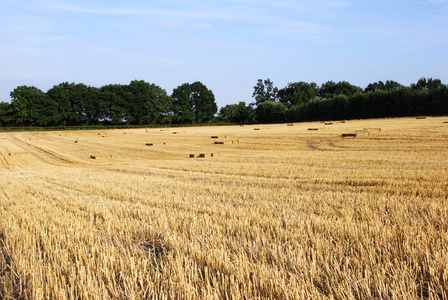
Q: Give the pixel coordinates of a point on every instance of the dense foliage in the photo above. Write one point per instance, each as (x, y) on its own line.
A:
(139, 103)
(302, 101)
(70, 104)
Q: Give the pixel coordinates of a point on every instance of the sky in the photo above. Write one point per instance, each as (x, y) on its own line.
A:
(226, 45)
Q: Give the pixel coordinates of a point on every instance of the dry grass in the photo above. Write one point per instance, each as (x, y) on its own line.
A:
(286, 213)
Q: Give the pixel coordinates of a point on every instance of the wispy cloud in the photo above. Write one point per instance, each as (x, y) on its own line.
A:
(55, 6)
(201, 25)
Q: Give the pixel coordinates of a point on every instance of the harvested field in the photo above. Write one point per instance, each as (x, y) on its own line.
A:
(287, 213)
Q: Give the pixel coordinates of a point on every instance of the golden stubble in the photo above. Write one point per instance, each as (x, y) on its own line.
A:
(278, 212)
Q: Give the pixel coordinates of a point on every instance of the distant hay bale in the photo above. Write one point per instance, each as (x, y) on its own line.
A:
(329, 123)
(219, 143)
(446, 122)
(257, 129)
(202, 155)
(421, 118)
(372, 129)
(19, 153)
(368, 130)
(149, 144)
(290, 124)
(313, 129)
(76, 142)
(214, 137)
(101, 156)
(349, 135)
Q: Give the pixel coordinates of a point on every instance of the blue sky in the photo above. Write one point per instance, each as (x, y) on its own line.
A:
(227, 45)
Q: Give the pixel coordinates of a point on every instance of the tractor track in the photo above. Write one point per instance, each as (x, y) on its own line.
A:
(44, 153)
(4, 161)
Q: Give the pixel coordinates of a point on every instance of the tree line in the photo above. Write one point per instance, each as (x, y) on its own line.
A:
(138, 103)
(142, 103)
(302, 101)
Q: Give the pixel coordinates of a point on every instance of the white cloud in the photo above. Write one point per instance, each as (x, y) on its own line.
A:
(201, 25)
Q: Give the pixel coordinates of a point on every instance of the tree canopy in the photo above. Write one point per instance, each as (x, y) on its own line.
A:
(193, 103)
(140, 103)
(237, 113)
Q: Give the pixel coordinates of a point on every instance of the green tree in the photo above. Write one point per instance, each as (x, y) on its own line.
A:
(440, 100)
(147, 103)
(5, 113)
(270, 112)
(264, 91)
(298, 93)
(330, 89)
(78, 104)
(426, 84)
(237, 113)
(381, 86)
(135, 95)
(193, 103)
(30, 106)
(62, 95)
(182, 105)
(114, 100)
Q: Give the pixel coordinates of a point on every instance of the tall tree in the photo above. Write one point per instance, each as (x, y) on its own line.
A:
(193, 103)
(5, 113)
(113, 97)
(182, 104)
(427, 84)
(330, 89)
(270, 112)
(77, 103)
(147, 103)
(30, 106)
(264, 91)
(298, 93)
(204, 105)
(381, 86)
(237, 113)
